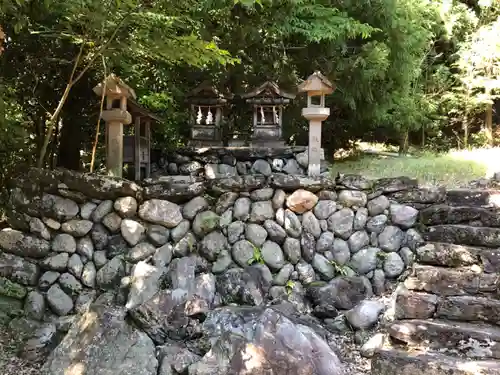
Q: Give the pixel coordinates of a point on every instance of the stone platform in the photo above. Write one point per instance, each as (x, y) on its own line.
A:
(217, 162)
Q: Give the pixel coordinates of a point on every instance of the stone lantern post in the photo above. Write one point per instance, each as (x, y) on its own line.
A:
(115, 116)
(316, 86)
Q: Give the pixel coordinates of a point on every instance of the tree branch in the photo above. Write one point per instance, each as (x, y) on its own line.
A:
(105, 45)
(72, 81)
(55, 115)
(96, 141)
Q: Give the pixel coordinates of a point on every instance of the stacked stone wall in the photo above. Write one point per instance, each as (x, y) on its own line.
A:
(74, 236)
(234, 161)
(324, 245)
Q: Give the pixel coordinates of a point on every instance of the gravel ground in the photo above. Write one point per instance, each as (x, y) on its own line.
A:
(354, 363)
(10, 364)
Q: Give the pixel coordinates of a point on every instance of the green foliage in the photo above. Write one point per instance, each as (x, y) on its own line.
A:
(339, 269)
(406, 71)
(382, 255)
(257, 256)
(290, 284)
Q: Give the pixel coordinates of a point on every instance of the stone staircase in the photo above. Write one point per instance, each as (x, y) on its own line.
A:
(448, 310)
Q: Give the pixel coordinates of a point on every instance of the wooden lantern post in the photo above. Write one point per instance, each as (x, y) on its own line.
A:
(115, 116)
(316, 86)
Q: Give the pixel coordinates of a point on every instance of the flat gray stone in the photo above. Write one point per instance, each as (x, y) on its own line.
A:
(58, 301)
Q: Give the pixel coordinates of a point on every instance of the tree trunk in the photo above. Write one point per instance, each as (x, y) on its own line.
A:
(488, 124)
(69, 146)
(423, 136)
(71, 133)
(466, 132)
(403, 144)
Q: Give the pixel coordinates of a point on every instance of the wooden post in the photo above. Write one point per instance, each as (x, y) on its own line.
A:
(148, 147)
(280, 120)
(137, 148)
(255, 119)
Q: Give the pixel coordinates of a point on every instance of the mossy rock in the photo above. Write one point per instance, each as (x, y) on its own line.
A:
(11, 289)
(4, 319)
(11, 306)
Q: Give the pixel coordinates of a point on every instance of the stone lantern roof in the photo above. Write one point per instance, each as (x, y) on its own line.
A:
(317, 84)
(116, 87)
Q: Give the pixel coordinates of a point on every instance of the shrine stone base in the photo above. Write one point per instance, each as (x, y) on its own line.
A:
(216, 162)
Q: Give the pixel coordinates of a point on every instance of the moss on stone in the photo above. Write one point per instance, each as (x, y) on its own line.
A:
(10, 306)
(11, 289)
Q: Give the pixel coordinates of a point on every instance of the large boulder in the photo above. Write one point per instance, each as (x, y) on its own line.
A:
(261, 341)
(103, 343)
(343, 293)
(162, 317)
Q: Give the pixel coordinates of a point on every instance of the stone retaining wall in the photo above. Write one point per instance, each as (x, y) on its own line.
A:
(247, 240)
(219, 162)
(78, 235)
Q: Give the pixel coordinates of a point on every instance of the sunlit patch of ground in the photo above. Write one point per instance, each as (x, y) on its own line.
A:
(454, 168)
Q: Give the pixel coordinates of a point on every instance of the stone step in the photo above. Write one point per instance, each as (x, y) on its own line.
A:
(414, 305)
(419, 305)
(452, 255)
(464, 235)
(469, 309)
(475, 340)
(451, 281)
(401, 362)
(473, 197)
(445, 214)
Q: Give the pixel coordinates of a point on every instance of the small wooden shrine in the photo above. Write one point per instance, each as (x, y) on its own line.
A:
(207, 111)
(137, 146)
(268, 101)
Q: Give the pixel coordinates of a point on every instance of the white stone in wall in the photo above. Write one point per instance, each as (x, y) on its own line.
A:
(161, 212)
(132, 231)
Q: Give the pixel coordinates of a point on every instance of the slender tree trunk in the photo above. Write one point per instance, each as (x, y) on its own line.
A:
(54, 146)
(466, 123)
(423, 136)
(466, 130)
(70, 145)
(488, 124)
(50, 126)
(403, 144)
(98, 127)
(71, 82)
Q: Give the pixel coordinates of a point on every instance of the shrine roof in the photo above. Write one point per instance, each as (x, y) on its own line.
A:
(269, 87)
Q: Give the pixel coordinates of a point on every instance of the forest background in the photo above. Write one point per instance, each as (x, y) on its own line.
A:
(411, 73)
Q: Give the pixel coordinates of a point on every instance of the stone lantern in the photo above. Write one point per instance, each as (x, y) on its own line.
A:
(115, 116)
(316, 86)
